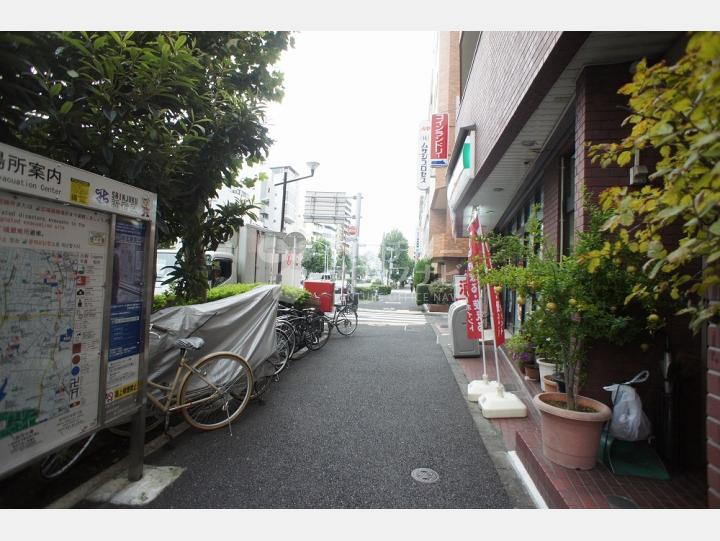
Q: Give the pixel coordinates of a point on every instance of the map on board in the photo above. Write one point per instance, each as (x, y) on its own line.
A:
(53, 265)
(37, 307)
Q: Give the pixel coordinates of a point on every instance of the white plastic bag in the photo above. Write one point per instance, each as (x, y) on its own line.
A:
(629, 422)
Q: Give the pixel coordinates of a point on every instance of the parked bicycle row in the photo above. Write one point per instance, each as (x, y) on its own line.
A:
(212, 391)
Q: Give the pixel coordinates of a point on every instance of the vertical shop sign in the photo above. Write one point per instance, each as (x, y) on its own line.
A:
(439, 140)
(126, 316)
(472, 290)
(423, 182)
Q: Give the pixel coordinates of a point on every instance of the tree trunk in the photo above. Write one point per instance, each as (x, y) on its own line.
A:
(196, 276)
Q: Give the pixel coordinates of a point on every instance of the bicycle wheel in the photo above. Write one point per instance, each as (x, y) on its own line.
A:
(318, 332)
(282, 351)
(286, 326)
(347, 321)
(216, 391)
(57, 463)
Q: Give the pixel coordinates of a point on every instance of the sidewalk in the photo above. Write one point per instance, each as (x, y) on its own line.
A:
(563, 488)
(345, 427)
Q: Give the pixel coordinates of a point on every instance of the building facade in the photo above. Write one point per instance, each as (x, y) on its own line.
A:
(530, 102)
(435, 238)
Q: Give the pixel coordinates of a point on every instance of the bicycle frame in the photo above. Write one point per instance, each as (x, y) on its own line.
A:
(170, 392)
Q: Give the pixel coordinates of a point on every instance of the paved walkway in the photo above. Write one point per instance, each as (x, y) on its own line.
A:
(344, 428)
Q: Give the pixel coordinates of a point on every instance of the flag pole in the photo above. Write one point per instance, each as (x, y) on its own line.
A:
(482, 337)
(492, 328)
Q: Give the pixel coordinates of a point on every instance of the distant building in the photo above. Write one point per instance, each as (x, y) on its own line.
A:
(435, 239)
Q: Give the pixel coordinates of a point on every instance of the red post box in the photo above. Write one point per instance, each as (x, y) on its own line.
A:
(323, 291)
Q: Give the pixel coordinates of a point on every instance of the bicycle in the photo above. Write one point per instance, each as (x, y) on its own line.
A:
(307, 326)
(345, 318)
(211, 393)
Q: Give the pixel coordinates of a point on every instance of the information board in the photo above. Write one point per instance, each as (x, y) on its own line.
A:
(126, 317)
(53, 260)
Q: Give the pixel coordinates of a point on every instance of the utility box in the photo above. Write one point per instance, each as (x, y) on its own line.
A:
(462, 346)
(323, 291)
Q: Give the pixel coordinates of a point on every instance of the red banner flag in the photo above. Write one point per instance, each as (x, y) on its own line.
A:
(472, 290)
(496, 311)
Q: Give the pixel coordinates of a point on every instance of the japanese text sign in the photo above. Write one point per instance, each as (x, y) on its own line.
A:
(439, 140)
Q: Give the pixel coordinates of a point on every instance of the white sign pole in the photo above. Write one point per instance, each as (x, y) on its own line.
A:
(492, 328)
(482, 336)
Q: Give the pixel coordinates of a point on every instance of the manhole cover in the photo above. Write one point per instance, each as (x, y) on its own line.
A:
(620, 502)
(425, 475)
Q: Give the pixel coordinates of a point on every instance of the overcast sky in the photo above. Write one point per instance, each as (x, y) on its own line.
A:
(353, 102)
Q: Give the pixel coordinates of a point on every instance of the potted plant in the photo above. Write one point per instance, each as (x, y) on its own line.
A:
(522, 351)
(576, 305)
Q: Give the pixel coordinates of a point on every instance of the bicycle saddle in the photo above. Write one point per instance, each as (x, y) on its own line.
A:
(194, 342)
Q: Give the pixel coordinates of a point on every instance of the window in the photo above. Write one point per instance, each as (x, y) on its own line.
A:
(220, 271)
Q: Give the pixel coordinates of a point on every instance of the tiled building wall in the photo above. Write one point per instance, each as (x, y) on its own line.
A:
(441, 244)
(505, 65)
(599, 113)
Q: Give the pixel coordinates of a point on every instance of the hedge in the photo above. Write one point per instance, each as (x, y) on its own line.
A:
(422, 294)
(370, 292)
(288, 294)
(441, 293)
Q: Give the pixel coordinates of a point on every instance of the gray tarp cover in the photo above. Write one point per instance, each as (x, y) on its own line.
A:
(243, 324)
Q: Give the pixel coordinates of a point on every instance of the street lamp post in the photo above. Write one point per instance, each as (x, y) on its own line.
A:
(312, 166)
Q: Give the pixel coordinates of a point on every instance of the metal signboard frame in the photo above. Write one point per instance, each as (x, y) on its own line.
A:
(125, 215)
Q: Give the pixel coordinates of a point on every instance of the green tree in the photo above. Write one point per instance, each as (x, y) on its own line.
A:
(176, 113)
(314, 256)
(361, 267)
(676, 114)
(394, 248)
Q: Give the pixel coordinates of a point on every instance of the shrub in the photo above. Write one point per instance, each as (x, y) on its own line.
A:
(366, 292)
(290, 295)
(384, 290)
(441, 293)
(422, 294)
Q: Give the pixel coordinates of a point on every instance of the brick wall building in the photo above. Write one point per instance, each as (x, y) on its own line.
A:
(531, 101)
(444, 251)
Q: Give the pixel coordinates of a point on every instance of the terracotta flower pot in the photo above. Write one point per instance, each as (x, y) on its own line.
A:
(571, 438)
(551, 385)
(532, 372)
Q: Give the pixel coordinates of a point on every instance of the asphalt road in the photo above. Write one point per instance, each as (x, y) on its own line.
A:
(344, 428)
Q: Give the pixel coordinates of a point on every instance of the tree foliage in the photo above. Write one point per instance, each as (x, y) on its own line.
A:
(314, 255)
(676, 113)
(394, 248)
(175, 113)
